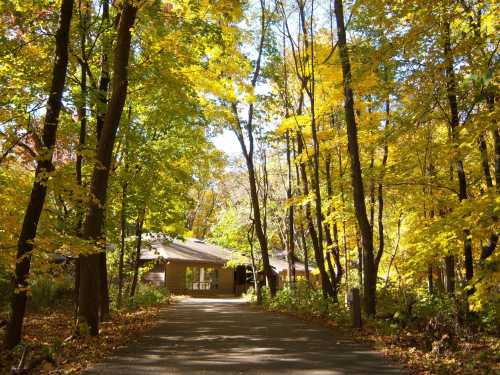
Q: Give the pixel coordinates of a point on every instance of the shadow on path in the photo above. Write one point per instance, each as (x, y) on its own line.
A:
(225, 336)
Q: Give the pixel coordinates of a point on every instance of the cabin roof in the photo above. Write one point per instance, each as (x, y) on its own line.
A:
(196, 251)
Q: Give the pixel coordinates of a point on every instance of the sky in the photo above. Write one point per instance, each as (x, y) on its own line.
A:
(227, 142)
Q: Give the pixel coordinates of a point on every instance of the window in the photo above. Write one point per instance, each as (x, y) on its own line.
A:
(202, 278)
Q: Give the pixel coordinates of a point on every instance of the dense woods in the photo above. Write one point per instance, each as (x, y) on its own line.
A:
(368, 149)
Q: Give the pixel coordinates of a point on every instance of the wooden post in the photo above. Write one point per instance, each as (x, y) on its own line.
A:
(355, 305)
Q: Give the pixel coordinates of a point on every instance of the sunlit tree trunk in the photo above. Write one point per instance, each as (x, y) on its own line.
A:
(370, 277)
(139, 224)
(82, 114)
(102, 97)
(90, 264)
(290, 216)
(451, 87)
(248, 152)
(43, 167)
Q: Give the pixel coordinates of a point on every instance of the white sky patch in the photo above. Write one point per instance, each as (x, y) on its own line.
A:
(227, 142)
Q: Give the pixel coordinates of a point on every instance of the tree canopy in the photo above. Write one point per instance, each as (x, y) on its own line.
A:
(370, 147)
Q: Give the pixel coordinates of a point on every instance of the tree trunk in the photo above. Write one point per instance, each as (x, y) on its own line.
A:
(496, 139)
(82, 108)
(82, 114)
(439, 279)
(332, 243)
(318, 252)
(454, 124)
(490, 247)
(291, 242)
(261, 236)
(360, 258)
(380, 218)
(449, 269)
(306, 254)
(102, 98)
(370, 277)
(393, 257)
(430, 281)
(103, 287)
(43, 167)
(123, 235)
(93, 227)
(484, 161)
(138, 235)
(249, 153)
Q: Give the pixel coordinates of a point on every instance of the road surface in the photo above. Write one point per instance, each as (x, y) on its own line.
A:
(227, 336)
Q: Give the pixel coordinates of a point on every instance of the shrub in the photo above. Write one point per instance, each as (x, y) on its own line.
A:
(304, 300)
(47, 291)
(149, 295)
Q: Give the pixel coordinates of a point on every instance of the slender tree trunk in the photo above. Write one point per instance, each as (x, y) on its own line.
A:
(43, 167)
(496, 139)
(138, 236)
(372, 190)
(439, 279)
(123, 213)
(393, 257)
(344, 225)
(82, 108)
(291, 242)
(261, 236)
(370, 277)
(449, 267)
(489, 248)
(94, 222)
(430, 281)
(360, 257)
(82, 114)
(249, 155)
(306, 254)
(332, 243)
(380, 197)
(102, 98)
(484, 161)
(103, 287)
(325, 281)
(451, 88)
(255, 273)
(123, 234)
(309, 87)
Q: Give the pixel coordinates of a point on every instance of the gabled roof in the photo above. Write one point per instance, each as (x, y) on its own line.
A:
(190, 250)
(197, 251)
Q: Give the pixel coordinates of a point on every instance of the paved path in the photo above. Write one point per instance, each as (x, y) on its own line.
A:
(226, 336)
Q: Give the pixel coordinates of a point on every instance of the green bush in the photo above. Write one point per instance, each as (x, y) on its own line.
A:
(149, 295)
(47, 291)
(304, 300)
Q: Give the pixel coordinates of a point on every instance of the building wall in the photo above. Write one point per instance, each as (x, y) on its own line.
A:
(176, 277)
(156, 275)
(283, 278)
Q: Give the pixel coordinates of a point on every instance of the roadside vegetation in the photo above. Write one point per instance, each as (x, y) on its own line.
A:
(426, 338)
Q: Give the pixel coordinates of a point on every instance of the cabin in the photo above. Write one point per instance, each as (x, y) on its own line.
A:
(194, 267)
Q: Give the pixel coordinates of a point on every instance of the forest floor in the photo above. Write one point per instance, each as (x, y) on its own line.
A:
(48, 333)
(472, 355)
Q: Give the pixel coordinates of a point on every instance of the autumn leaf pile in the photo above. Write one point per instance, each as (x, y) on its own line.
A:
(51, 331)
